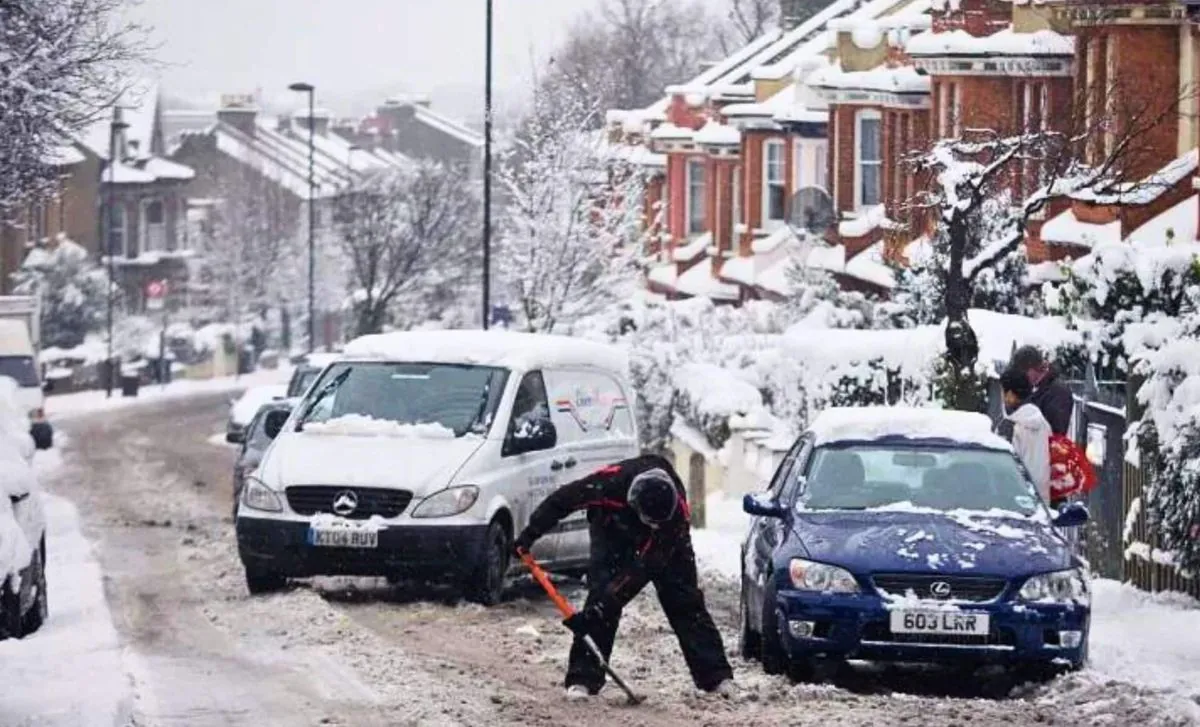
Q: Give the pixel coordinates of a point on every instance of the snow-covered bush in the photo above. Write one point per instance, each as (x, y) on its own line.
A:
(72, 289)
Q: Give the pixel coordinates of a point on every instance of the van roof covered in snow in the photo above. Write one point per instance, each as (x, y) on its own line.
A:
(867, 423)
(523, 351)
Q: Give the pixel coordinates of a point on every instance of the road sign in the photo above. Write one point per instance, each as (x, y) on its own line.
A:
(156, 293)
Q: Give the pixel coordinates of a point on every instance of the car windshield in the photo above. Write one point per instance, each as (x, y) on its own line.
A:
(19, 369)
(866, 476)
(461, 398)
(301, 380)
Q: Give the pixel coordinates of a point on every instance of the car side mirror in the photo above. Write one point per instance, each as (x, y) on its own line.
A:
(537, 435)
(1071, 515)
(274, 421)
(761, 505)
(235, 437)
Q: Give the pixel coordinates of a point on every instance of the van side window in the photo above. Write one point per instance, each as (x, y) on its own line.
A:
(531, 403)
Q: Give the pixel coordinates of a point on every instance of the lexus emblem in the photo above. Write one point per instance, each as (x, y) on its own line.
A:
(346, 502)
(940, 589)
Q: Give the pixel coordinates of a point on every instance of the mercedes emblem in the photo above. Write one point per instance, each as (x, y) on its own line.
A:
(346, 502)
(940, 589)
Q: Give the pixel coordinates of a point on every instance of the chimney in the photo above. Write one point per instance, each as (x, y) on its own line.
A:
(792, 13)
(239, 111)
(319, 121)
(284, 124)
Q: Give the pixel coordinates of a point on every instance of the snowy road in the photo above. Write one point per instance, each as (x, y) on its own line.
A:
(153, 493)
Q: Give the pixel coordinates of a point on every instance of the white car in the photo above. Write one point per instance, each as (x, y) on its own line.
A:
(23, 603)
(420, 455)
(243, 409)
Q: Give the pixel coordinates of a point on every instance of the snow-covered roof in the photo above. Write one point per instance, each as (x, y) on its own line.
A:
(283, 157)
(739, 270)
(126, 174)
(779, 236)
(1178, 224)
(864, 222)
(665, 275)
(671, 131)
(448, 126)
(901, 79)
(1006, 42)
(851, 424)
(701, 281)
(867, 265)
(693, 249)
(1148, 189)
(522, 351)
(717, 134)
(63, 155)
(1049, 271)
(1066, 229)
(165, 169)
(139, 108)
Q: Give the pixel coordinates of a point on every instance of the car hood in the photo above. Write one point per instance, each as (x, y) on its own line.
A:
(417, 464)
(959, 542)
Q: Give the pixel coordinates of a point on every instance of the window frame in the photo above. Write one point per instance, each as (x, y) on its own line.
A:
(117, 224)
(694, 225)
(769, 222)
(736, 206)
(862, 115)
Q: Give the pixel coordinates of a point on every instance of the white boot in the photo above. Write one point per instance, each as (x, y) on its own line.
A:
(577, 692)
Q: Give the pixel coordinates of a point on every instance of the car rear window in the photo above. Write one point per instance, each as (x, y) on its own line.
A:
(19, 369)
(865, 476)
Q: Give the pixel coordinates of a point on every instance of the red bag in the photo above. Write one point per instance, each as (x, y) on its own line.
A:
(1071, 473)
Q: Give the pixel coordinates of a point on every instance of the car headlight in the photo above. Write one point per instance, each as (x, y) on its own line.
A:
(257, 496)
(451, 501)
(1064, 586)
(810, 576)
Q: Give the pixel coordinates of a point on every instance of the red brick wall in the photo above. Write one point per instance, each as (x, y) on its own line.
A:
(841, 156)
(977, 17)
(752, 164)
(680, 114)
(722, 225)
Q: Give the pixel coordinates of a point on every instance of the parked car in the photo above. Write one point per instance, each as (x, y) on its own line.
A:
(243, 409)
(308, 367)
(418, 455)
(909, 535)
(253, 444)
(20, 345)
(23, 597)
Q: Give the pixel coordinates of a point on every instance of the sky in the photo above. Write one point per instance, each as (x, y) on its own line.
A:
(356, 52)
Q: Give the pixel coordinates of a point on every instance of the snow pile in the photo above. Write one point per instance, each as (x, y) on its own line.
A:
(869, 423)
(17, 477)
(358, 425)
(1006, 42)
(244, 409)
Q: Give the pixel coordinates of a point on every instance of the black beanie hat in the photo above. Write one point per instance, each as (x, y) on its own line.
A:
(652, 496)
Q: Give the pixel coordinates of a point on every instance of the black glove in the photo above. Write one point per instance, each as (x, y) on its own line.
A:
(583, 622)
(522, 545)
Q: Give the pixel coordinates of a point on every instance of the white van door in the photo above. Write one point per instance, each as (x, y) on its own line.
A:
(595, 428)
(531, 476)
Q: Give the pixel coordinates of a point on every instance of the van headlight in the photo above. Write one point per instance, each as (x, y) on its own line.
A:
(809, 576)
(258, 496)
(1064, 586)
(451, 501)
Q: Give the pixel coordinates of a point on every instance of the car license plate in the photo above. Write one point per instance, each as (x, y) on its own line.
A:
(343, 538)
(940, 622)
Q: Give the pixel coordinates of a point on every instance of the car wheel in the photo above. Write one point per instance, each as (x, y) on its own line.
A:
(774, 658)
(485, 585)
(10, 611)
(260, 581)
(40, 610)
(749, 641)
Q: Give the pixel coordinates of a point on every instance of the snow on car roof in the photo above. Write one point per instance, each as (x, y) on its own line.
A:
(842, 424)
(524, 351)
(320, 360)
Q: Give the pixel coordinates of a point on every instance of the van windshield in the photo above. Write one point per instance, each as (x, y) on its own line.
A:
(19, 369)
(460, 398)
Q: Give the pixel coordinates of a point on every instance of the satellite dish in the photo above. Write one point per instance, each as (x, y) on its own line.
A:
(811, 209)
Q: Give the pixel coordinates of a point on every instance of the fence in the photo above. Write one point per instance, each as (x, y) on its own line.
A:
(1146, 565)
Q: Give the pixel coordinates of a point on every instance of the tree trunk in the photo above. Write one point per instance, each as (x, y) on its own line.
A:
(960, 386)
(371, 318)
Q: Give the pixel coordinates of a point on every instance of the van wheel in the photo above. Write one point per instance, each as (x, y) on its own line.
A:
(486, 583)
(40, 609)
(260, 582)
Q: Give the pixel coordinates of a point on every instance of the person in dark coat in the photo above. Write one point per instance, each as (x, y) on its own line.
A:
(640, 533)
(1050, 394)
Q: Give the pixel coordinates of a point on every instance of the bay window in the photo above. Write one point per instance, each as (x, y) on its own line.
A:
(774, 183)
(696, 221)
(868, 158)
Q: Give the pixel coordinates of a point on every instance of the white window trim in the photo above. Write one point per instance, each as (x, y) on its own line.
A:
(865, 115)
(837, 141)
(687, 197)
(736, 216)
(767, 222)
(799, 171)
(821, 165)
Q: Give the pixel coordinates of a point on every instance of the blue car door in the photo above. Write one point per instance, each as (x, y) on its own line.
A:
(766, 533)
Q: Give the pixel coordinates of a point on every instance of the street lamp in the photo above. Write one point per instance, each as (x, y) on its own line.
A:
(118, 125)
(487, 170)
(308, 88)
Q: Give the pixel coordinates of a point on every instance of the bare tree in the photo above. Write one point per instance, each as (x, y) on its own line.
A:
(569, 229)
(408, 237)
(750, 19)
(62, 62)
(987, 184)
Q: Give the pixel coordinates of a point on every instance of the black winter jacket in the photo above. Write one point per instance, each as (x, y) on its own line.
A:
(1056, 401)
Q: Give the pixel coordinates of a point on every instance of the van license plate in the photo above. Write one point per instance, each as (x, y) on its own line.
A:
(343, 538)
(940, 622)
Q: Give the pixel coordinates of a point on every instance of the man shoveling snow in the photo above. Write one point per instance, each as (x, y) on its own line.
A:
(640, 533)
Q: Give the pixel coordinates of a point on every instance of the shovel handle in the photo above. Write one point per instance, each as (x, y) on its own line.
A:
(539, 575)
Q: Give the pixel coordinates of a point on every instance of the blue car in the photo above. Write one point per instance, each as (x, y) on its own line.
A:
(909, 535)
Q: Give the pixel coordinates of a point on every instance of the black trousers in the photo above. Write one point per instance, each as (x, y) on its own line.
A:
(614, 578)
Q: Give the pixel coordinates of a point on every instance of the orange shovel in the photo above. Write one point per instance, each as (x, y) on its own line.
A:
(567, 611)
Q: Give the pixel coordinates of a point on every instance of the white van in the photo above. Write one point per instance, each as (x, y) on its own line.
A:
(18, 361)
(420, 455)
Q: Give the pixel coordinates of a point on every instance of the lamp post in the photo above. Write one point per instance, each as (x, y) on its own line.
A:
(487, 170)
(118, 125)
(302, 87)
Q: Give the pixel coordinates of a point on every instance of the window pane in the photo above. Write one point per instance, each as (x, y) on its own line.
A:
(154, 213)
(870, 184)
(696, 221)
(869, 144)
(775, 202)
